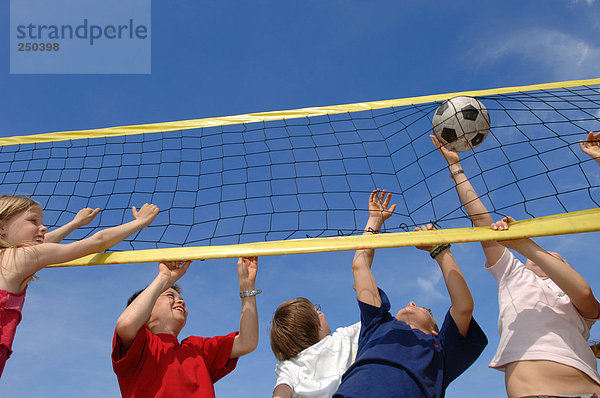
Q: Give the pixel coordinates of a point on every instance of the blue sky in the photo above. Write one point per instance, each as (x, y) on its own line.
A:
(228, 58)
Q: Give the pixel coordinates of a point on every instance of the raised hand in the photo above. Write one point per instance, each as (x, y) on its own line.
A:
(591, 145)
(173, 270)
(247, 269)
(451, 156)
(85, 216)
(503, 225)
(428, 227)
(379, 205)
(146, 214)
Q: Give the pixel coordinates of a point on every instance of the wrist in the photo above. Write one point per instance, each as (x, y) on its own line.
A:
(374, 224)
(454, 166)
(244, 286)
(436, 250)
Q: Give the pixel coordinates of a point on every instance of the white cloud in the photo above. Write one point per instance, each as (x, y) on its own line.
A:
(563, 55)
(430, 286)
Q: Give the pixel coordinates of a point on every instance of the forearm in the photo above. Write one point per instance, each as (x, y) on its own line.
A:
(561, 273)
(247, 340)
(364, 281)
(57, 235)
(460, 295)
(468, 197)
(137, 313)
(109, 237)
(364, 257)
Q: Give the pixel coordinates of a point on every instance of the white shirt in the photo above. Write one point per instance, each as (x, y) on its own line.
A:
(537, 320)
(317, 370)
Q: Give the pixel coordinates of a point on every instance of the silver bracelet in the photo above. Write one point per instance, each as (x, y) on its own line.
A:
(436, 250)
(456, 172)
(249, 293)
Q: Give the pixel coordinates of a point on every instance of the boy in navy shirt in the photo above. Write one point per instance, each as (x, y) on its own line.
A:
(407, 355)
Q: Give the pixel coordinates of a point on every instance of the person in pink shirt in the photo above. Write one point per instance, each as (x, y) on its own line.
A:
(546, 308)
(25, 248)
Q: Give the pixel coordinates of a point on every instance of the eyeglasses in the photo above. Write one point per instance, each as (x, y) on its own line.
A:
(317, 307)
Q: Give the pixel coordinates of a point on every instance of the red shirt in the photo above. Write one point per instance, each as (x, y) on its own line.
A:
(157, 365)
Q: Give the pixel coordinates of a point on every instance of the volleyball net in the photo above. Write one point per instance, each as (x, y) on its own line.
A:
(298, 181)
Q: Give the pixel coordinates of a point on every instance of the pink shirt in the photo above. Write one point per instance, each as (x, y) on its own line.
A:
(537, 320)
(11, 305)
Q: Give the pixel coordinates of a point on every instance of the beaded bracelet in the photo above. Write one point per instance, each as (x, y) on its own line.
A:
(436, 250)
(249, 293)
(456, 172)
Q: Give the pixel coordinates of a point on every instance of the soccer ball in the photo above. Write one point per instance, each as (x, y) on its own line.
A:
(461, 123)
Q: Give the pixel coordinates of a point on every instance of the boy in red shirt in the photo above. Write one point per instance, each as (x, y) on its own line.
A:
(148, 358)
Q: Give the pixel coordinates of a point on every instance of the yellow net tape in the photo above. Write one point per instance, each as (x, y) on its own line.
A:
(276, 115)
(567, 223)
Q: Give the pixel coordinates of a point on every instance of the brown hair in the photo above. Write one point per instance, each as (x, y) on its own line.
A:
(11, 205)
(177, 288)
(295, 327)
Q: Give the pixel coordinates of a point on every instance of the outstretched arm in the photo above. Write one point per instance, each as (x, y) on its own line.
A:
(460, 295)
(29, 260)
(364, 282)
(83, 217)
(247, 340)
(470, 200)
(138, 312)
(591, 146)
(561, 273)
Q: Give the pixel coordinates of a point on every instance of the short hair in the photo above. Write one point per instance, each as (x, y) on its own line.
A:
(177, 288)
(295, 327)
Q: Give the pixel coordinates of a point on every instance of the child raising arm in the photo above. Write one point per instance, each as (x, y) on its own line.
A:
(407, 355)
(23, 252)
(543, 334)
(148, 358)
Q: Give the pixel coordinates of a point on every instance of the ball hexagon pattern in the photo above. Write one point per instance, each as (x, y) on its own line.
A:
(461, 123)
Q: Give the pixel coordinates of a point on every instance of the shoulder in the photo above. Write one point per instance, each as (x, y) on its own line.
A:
(506, 265)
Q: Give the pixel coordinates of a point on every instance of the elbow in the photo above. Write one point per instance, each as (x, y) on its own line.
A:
(126, 329)
(464, 309)
(247, 348)
(99, 242)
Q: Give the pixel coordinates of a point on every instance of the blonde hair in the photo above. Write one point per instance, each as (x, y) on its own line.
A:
(10, 206)
(295, 327)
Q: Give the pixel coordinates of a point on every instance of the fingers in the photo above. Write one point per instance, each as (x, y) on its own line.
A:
(177, 264)
(428, 227)
(503, 224)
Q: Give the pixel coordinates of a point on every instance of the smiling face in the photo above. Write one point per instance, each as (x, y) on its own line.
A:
(25, 227)
(168, 314)
(418, 318)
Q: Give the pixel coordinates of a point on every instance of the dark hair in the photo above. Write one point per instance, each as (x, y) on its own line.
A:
(295, 327)
(177, 288)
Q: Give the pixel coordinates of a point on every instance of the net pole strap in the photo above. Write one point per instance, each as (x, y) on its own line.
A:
(560, 224)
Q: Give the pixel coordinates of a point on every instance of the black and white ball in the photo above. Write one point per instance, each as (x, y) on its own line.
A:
(461, 123)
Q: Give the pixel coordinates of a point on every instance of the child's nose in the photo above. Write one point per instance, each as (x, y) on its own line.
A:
(412, 304)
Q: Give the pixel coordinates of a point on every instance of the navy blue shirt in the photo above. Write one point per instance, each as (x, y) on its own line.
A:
(394, 360)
